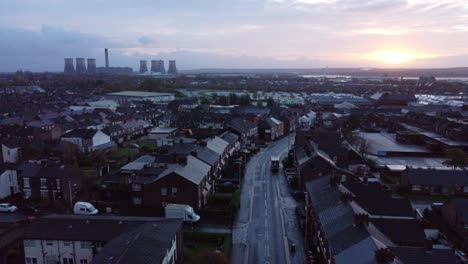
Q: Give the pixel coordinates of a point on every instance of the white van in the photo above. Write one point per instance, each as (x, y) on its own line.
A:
(84, 208)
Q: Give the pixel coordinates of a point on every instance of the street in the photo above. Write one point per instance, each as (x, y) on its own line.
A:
(266, 223)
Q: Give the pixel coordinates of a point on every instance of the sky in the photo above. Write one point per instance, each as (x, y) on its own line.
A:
(37, 34)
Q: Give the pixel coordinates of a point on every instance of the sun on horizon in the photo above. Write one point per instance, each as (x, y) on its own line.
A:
(397, 57)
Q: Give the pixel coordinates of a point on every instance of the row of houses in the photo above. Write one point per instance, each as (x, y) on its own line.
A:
(182, 173)
(354, 221)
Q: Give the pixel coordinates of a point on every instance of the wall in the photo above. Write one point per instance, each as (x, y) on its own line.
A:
(10, 155)
(8, 183)
(58, 248)
(187, 192)
(100, 138)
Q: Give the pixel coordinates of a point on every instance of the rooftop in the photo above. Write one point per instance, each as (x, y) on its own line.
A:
(139, 94)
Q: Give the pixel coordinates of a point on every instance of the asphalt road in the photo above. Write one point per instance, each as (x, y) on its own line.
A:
(266, 223)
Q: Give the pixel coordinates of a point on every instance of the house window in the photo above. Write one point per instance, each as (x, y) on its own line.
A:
(83, 261)
(67, 243)
(136, 187)
(29, 243)
(27, 193)
(59, 184)
(86, 245)
(174, 191)
(416, 187)
(163, 191)
(465, 189)
(136, 200)
(31, 260)
(26, 183)
(44, 194)
(67, 261)
(50, 243)
(43, 183)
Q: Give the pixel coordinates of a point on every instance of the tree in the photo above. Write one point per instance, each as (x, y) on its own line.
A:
(456, 158)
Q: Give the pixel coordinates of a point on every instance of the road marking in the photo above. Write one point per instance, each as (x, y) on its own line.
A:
(285, 238)
(267, 251)
(265, 202)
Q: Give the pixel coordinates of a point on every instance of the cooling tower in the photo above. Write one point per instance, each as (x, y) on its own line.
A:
(80, 65)
(69, 67)
(161, 67)
(172, 67)
(91, 65)
(143, 66)
(106, 54)
(154, 65)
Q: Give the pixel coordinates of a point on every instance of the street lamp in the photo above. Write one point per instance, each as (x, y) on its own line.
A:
(307, 217)
(70, 192)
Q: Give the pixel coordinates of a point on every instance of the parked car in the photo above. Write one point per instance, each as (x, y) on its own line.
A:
(84, 208)
(7, 207)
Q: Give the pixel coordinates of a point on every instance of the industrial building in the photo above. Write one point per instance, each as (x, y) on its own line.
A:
(125, 96)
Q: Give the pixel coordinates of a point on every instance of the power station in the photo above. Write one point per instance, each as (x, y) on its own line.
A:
(88, 66)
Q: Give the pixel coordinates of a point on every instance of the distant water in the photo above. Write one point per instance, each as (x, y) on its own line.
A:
(331, 76)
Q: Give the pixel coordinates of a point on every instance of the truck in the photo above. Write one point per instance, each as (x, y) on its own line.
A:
(275, 163)
(181, 211)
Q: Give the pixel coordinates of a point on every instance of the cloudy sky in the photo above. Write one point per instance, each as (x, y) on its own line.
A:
(37, 34)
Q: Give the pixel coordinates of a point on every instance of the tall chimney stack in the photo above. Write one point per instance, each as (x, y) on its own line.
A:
(172, 67)
(80, 65)
(143, 66)
(69, 66)
(91, 65)
(107, 57)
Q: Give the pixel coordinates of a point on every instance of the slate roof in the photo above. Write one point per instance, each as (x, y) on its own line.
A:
(81, 133)
(195, 170)
(373, 199)
(206, 155)
(82, 228)
(139, 163)
(30, 170)
(148, 243)
(400, 230)
(348, 243)
(217, 144)
(437, 177)
(412, 255)
(241, 125)
(229, 137)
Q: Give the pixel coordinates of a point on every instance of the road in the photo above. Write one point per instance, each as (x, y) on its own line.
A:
(266, 220)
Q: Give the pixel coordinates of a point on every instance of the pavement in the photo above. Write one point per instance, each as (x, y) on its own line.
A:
(266, 223)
